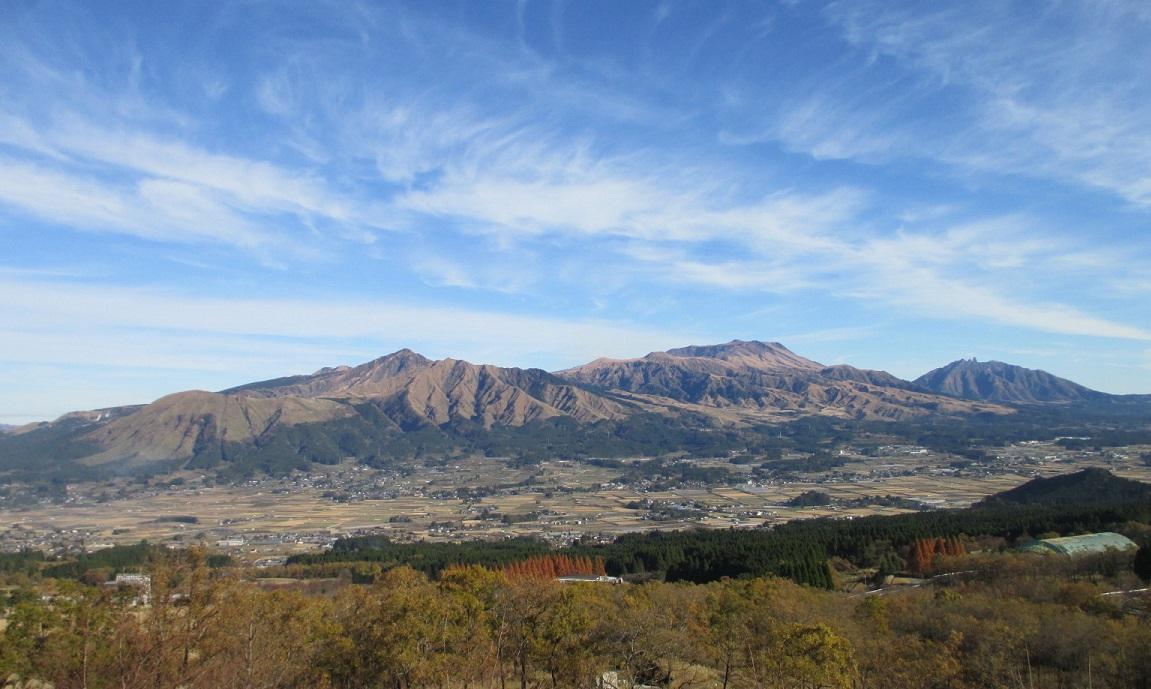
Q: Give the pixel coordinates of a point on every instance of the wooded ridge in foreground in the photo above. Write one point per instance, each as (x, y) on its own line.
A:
(1012, 621)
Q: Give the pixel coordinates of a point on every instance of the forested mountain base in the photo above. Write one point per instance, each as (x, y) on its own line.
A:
(1021, 622)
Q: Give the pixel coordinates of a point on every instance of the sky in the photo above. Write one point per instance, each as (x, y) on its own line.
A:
(194, 195)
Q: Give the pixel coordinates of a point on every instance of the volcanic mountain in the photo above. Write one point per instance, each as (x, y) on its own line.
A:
(404, 390)
(435, 393)
(764, 378)
(406, 405)
(995, 381)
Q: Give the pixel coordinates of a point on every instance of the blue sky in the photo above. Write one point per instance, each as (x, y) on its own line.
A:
(195, 195)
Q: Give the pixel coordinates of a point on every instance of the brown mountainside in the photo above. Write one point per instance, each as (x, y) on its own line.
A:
(440, 392)
(309, 415)
(765, 378)
(753, 354)
(413, 390)
(451, 390)
(379, 377)
(173, 426)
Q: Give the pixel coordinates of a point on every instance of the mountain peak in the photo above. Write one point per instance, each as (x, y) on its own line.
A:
(370, 378)
(727, 347)
(400, 358)
(996, 381)
(751, 353)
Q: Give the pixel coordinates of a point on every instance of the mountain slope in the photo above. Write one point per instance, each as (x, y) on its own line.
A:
(765, 378)
(995, 381)
(308, 415)
(439, 392)
(178, 426)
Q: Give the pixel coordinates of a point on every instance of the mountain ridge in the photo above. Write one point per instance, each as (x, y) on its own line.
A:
(409, 390)
(764, 377)
(408, 401)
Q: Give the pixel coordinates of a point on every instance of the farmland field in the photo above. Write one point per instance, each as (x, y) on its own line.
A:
(484, 498)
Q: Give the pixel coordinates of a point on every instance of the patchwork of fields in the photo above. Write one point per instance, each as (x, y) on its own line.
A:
(483, 498)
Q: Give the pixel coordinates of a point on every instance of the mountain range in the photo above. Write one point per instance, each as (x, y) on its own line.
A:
(762, 379)
(405, 404)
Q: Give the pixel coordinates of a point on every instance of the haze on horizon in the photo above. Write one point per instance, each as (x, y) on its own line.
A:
(199, 195)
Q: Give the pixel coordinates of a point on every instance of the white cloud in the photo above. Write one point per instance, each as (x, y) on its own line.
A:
(824, 128)
(523, 153)
(75, 315)
(188, 193)
(967, 271)
(674, 265)
(594, 207)
(417, 138)
(153, 209)
(519, 189)
(742, 276)
(962, 273)
(501, 273)
(251, 184)
(946, 298)
(990, 244)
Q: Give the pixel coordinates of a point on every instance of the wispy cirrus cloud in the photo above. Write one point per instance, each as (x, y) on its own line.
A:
(941, 297)
(1054, 91)
(152, 209)
(965, 272)
(33, 311)
(530, 186)
(417, 172)
(192, 194)
(522, 188)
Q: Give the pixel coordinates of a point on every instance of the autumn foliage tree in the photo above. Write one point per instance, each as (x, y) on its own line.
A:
(924, 553)
(1014, 621)
(553, 566)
